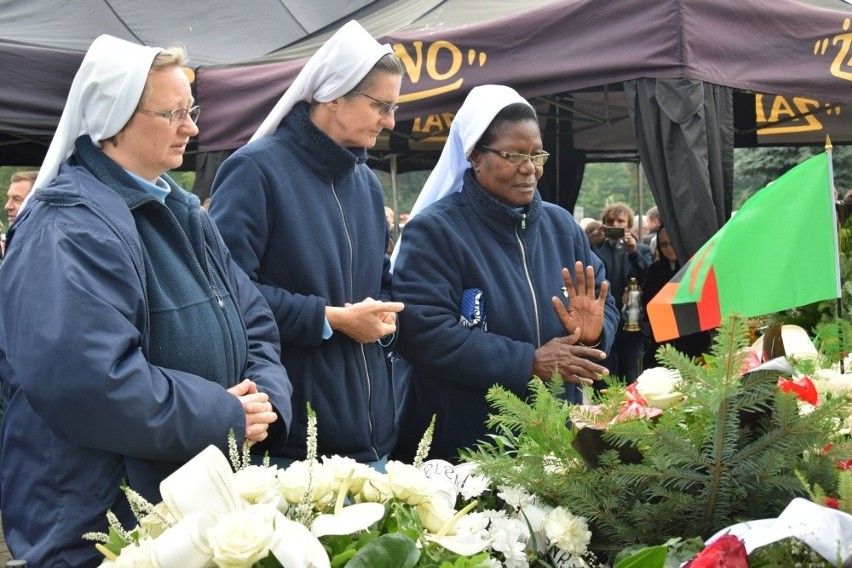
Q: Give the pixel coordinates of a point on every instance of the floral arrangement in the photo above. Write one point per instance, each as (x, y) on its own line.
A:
(707, 459)
(682, 454)
(336, 512)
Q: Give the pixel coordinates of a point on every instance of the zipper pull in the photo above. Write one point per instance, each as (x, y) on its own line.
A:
(523, 221)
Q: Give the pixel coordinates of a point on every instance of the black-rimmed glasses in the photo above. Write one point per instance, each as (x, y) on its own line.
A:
(178, 114)
(386, 108)
(517, 159)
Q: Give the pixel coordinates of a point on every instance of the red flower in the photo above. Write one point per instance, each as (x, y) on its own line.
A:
(845, 465)
(831, 502)
(752, 359)
(804, 389)
(635, 406)
(725, 552)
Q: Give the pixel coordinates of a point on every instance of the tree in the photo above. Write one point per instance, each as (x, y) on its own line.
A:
(754, 168)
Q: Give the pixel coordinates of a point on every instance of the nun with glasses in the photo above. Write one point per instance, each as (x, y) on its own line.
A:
(129, 340)
(498, 285)
(304, 216)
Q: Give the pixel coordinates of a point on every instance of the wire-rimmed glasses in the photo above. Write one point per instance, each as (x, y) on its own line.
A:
(518, 159)
(178, 114)
(386, 108)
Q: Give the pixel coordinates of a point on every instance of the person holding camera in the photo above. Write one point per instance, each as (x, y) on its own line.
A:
(623, 259)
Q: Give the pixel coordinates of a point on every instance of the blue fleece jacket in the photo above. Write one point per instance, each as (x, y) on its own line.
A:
(470, 241)
(304, 217)
(122, 321)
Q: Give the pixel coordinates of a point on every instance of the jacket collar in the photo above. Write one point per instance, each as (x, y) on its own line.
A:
(314, 148)
(497, 210)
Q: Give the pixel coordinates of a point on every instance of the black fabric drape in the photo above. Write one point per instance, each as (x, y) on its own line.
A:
(684, 132)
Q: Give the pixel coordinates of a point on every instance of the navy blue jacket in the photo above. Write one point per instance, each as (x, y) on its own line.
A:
(92, 307)
(304, 217)
(469, 240)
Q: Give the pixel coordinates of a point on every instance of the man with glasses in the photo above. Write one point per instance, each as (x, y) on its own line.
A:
(624, 259)
(303, 215)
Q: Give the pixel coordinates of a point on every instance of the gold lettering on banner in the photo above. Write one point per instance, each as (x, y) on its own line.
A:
(798, 114)
(841, 66)
(434, 123)
(421, 60)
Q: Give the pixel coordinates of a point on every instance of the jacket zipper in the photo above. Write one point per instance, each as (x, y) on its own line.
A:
(529, 279)
(352, 299)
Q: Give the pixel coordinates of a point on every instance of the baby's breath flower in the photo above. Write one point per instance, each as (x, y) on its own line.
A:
(424, 445)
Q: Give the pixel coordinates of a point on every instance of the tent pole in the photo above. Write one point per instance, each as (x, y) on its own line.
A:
(639, 191)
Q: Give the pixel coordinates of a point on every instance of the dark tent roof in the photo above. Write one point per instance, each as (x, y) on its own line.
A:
(216, 31)
(551, 48)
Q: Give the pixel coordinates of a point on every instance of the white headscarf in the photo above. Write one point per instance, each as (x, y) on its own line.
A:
(334, 70)
(476, 113)
(102, 99)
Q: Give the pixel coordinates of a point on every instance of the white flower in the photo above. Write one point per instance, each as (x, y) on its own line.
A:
(471, 535)
(293, 482)
(566, 531)
(533, 515)
(509, 539)
(139, 555)
(475, 524)
(255, 483)
(374, 489)
(408, 483)
(241, 538)
(153, 524)
(514, 496)
(348, 520)
(658, 386)
(474, 486)
(434, 514)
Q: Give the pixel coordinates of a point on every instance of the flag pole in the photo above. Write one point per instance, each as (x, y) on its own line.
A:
(839, 303)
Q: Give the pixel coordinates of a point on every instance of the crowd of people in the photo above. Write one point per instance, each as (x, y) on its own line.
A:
(136, 328)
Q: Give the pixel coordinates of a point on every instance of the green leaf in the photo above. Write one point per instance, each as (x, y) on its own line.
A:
(387, 551)
(651, 557)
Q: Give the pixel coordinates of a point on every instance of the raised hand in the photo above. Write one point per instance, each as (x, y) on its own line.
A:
(584, 311)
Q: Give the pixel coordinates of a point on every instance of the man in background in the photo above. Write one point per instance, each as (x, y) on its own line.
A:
(652, 224)
(623, 259)
(20, 186)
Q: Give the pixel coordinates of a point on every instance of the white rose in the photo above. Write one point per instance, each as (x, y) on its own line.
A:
(435, 514)
(658, 386)
(566, 531)
(293, 482)
(407, 483)
(241, 538)
(256, 483)
(153, 524)
(139, 555)
(374, 489)
(347, 470)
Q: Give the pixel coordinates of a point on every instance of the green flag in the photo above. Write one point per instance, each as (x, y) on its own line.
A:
(778, 251)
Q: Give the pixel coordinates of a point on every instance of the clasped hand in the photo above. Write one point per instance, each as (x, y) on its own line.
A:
(258, 409)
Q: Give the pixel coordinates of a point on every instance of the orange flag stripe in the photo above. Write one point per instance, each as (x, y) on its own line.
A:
(661, 312)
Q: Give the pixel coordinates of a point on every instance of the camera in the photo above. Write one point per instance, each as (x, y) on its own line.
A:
(614, 233)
